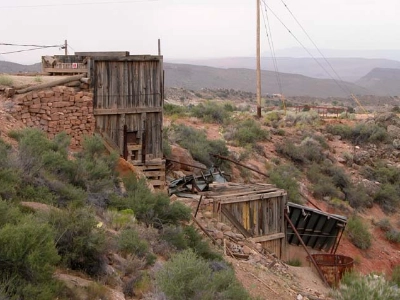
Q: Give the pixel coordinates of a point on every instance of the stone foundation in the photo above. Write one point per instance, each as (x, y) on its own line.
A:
(56, 110)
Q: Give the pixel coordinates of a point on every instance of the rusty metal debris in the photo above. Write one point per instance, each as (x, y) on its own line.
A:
(199, 183)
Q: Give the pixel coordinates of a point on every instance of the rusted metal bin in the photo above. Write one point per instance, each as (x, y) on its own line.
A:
(333, 266)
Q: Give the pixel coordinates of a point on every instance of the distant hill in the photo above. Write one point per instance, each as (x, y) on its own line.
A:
(198, 77)
(349, 69)
(382, 81)
(14, 68)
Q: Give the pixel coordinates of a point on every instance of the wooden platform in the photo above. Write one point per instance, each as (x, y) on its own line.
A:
(154, 172)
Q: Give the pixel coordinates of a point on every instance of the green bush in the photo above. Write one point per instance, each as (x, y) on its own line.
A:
(393, 236)
(185, 276)
(199, 146)
(396, 275)
(287, 177)
(345, 131)
(6, 80)
(130, 242)
(79, 242)
(358, 233)
(212, 112)
(27, 256)
(358, 197)
(371, 287)
(249, 132)
(171, 109)
(149, 208)
(388, 197)
(295, 262)
(361, 133)
(188, 237)
(384, 225)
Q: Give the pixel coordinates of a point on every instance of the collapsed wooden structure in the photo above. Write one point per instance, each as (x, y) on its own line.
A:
(254, 210)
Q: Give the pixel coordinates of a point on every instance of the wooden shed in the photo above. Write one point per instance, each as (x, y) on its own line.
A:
(255, 210)
(128, 107)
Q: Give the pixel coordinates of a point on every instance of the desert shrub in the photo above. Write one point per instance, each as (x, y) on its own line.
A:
(33, 193)
(311, 149)
(185, 276)
(358, 233)
(388, 197)
(393, 236)
(382, 173)
(198, 145)
(6, 80)
(9, 182)
(95, 291)
(130, 242)
(79, 242)
(361, 133)
(212, 112)
(287, 177)
(358, 197)
(28, 256)
(95, 168)
(166, 145)
(295, 262)
(384, 224)
(120, 219)
(307, 151)
(345, 131)
(289, 149)
(302, 118)
(9, 213)
(150, 208)
(370, 287)
(272, 117)
(249, 132)
(396, 275)
(171, 109)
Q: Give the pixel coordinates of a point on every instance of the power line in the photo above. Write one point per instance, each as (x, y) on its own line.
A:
(77, 4)
(308, 51)
(27, 45)
(25, 50)
(272, 48)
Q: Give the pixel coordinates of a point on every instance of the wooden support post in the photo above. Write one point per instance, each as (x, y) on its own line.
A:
(258, 62)
(305, 248)
(198, 206)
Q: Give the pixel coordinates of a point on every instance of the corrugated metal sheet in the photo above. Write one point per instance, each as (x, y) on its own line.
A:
(319, 230)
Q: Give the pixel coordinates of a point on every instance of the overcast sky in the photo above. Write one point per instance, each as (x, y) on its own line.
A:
(194, 28)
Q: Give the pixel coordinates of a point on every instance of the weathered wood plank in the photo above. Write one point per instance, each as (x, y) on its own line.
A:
(235, 222)
(132, 110)
(269, 237)
(69, 71)
(252, 197)
(244, 193)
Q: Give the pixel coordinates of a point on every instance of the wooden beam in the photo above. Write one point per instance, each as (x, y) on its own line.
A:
(58, 70)
(98, 54)
(120, 111)
(252, 197)
(50, 84)
(235, 222)
(244, 193)
(139, 58)
(266, 238)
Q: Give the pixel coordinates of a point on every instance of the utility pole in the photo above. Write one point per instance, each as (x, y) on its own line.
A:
(258, 62)
(65, 47)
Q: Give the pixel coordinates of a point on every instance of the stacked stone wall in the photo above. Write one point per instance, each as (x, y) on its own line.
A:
(59, 109)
